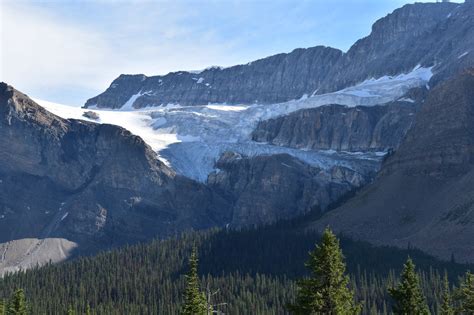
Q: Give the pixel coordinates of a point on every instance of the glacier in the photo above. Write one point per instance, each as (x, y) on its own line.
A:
(190, 139)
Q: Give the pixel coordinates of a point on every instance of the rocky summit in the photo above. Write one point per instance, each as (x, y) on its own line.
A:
(437, 35)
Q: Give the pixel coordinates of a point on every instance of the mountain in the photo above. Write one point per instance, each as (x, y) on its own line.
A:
(66, 183)
(423, 194)
(274, 79)
(71, 187)
(427, 34)
(312, 127)
(439, 35)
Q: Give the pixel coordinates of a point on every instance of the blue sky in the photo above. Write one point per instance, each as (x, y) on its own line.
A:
(68, 51)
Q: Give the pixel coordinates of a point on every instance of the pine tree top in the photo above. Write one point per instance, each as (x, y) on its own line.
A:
(407, 295)
(194, 299)
(326, 291)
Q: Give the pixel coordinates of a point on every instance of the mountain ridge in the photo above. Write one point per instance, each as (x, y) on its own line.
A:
(319, 69)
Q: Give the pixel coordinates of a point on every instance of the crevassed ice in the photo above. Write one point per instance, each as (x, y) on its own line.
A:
(191, 138)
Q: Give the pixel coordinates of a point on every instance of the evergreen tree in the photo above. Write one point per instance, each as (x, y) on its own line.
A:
(464, 295)
(408, 296)
(326, 291)
(2, 307)
(194, 299)
(17, 304)
(446, 307)
(70, 311)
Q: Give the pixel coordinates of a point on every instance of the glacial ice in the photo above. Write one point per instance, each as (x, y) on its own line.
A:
(191, 138)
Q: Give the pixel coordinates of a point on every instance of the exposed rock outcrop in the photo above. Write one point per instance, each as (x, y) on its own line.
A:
(264, 189)
(423, 196)
(340, 128)
(270, 80)
(426, 34)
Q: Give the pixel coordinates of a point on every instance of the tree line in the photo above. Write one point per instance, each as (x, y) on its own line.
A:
(257, 271)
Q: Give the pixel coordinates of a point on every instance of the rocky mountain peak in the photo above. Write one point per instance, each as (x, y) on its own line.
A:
(16, 104)
(269, 80)
(426, 34)
(410, 20)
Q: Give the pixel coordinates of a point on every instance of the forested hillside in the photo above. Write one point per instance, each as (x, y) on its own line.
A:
(254, 272)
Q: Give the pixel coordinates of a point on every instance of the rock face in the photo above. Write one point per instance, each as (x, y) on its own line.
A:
(426, 34)
(269, 80)
(423, 195)
(340, 128)
(87, 182)
(264, 189)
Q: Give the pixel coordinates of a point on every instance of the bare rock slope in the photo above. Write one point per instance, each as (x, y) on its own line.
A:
(94, 185)
(423, 196)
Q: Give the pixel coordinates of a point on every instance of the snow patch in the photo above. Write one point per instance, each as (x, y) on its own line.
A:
(463, 54)
(233, 108)
(199, 81)
(129, 104)
(406, 99)
(64, 216)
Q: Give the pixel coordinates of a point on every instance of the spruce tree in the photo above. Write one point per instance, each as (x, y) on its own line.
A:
(326, 290)
(464, 295)
(446, 307)
(194, 299)
(407, 295)
(17, 304)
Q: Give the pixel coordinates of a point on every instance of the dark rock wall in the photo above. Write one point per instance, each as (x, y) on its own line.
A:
(264, 189)
(340, 128)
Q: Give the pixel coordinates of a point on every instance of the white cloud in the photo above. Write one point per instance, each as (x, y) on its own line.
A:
(40, 51)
